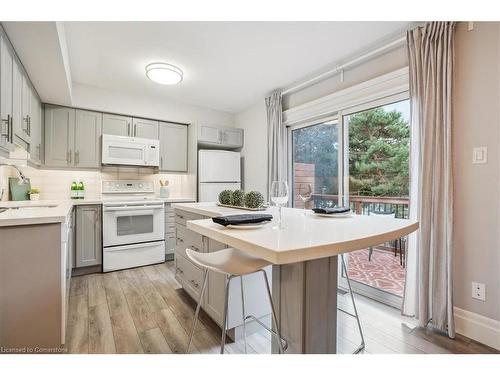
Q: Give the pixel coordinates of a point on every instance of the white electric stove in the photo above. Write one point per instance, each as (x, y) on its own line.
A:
(133, 225)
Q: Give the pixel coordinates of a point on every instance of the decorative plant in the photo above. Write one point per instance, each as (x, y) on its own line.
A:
(254, 199)
(226, 197)
(34, 191)
(239, 198)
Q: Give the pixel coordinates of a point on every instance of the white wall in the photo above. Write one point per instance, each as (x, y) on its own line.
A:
(90, 97)
(254, 152)
(477, 186)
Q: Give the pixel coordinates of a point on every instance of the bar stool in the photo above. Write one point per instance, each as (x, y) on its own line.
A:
(232, 263)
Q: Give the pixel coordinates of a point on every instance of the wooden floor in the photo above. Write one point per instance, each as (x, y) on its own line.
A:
(144, 310)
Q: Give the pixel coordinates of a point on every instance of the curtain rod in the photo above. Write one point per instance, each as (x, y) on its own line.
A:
(340, 68)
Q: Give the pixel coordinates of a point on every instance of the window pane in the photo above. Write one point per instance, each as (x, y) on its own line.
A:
(315, 164)
(379, 149)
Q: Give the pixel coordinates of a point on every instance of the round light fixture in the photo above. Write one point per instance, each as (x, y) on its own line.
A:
(164, 74)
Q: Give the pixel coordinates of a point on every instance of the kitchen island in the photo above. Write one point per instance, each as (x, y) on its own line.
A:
(304, 257)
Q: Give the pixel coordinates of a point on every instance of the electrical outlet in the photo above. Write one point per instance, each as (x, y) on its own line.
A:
(479, 155)
(479, 291)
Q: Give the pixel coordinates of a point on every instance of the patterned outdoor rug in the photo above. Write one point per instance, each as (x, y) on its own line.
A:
(382, 272)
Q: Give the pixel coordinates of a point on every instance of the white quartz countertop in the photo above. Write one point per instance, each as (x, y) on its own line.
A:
(211, 209)
(49, 211)
(303, 237)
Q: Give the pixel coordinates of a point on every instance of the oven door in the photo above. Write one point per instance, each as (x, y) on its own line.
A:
(133, 223)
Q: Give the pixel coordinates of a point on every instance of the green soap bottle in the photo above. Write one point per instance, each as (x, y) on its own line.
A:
(81, 190)
(74, 190)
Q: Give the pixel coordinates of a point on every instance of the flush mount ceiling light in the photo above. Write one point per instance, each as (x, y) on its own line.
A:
(164, 74)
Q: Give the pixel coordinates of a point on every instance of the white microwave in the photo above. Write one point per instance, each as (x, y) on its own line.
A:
(120, 150)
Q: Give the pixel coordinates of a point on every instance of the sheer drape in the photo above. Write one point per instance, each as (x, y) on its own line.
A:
(428, 294)
(277, 141)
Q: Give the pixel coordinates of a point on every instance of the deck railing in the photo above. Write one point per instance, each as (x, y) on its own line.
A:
(363, 205)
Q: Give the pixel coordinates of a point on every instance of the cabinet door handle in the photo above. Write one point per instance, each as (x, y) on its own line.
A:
(128, 128)
(11, 130)
(69, 157)
(161, 162)
(180, 239)
(135, 130)
(195, 248)
(29, 125)
(77, 157)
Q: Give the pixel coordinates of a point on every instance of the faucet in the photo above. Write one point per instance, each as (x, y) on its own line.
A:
(23, 178)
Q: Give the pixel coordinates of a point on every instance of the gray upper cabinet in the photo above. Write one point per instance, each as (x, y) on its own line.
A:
(88, 131)
(211, 135)
(20, 127)
(116, 125)
(88, 247)
(35, 129)
(72, 137)
(232, 137)
(143, 128)
(59, 136)
(6, 130)
(26, 120)
(173, 147)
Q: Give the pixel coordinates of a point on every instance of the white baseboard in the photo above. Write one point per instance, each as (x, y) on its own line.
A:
(478, 327)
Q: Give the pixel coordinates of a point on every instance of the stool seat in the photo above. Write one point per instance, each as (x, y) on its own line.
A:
(228, 261)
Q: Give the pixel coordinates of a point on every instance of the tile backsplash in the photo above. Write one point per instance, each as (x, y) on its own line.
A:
(55, 184)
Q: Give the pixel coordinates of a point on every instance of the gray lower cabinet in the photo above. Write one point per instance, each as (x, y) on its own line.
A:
(88, 131)
(36, 130)
(173, 147)
(143, 128)
(190, 276)
(116, 125)
(88, 247)
(59, 136)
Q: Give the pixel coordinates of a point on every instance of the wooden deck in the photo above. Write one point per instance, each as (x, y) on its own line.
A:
(144, 310)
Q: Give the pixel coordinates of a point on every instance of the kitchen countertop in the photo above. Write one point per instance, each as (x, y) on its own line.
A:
(303, 237)
(49, 211)
(211, 209)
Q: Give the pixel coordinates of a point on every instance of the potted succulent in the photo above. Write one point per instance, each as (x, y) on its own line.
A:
(239, 198)
(254, 199)
(226, 197)
(34, 194)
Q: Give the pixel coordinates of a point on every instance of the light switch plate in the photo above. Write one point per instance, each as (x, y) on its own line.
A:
(479, 291)
(479, 155)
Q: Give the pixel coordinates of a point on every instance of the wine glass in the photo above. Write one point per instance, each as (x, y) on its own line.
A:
(279, 196)
(305, 195)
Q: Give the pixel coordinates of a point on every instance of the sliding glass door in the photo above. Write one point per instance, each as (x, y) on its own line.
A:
(316, 156)
(377, 183)
(360, 158)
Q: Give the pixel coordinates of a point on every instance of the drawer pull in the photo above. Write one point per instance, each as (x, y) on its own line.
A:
(180, 239)
(178, 270)
(196, 285)
(195, 248)
(180, 216)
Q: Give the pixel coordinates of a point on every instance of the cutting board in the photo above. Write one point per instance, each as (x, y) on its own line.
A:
(18, 192)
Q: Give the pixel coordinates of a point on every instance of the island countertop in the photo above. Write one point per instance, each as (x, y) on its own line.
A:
(303, 237)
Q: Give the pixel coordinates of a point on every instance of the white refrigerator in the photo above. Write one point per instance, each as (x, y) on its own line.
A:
(217, 170)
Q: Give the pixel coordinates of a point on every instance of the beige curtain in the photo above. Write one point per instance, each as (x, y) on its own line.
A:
(277, 141)
(428, 294)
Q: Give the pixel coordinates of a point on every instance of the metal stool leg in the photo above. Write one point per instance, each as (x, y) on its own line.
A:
(243, 314)
(282, 348)
(224, 321)
(362, 346)
(197, 313)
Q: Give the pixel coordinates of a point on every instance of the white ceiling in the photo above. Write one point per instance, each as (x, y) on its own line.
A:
(227, 66)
